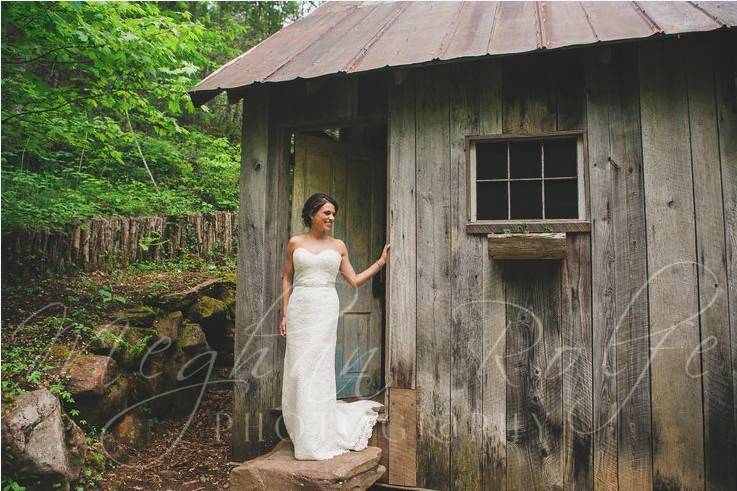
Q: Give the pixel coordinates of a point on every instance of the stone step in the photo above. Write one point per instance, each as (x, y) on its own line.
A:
(278, 470)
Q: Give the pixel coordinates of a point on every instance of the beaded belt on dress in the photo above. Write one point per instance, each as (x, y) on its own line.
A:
(314, 283)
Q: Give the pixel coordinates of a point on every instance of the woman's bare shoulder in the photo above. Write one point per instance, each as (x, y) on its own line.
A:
(340, 245)
(294, 241)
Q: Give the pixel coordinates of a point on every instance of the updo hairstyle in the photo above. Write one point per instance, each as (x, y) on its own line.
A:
(313, 204)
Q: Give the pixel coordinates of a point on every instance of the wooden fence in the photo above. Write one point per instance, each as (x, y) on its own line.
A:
(104, 243)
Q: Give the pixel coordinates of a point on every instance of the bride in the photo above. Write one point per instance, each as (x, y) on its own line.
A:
(319, 425)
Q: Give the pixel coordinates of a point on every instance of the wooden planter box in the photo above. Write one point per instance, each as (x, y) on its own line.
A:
(527, 246)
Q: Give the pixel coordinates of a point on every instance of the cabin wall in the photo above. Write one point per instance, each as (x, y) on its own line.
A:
(606, 393)
(602, 393)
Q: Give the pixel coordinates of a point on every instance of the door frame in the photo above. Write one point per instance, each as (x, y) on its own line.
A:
(285, 130)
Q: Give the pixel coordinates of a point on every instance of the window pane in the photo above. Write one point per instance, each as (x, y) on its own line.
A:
(491, 200)
(561, 198)
(524, 159)
(527, 199)
(560, 157)
(491, 160)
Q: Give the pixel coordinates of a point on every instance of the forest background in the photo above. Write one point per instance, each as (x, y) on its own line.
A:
(96, 120)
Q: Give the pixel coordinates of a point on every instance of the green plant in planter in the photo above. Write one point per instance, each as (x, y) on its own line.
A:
(547, 229)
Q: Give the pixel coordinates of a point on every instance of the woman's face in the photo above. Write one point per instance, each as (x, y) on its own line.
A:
(324, 218)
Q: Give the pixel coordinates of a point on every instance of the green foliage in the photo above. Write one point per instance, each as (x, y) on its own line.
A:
(12, 485)
(108, 295)
(94, 98)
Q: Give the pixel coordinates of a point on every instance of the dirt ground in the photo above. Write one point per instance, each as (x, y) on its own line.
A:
(199, 460)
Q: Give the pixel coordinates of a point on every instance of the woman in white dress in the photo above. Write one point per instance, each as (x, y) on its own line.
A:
(319, 425)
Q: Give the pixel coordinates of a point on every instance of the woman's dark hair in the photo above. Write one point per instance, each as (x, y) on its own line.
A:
(313, 204)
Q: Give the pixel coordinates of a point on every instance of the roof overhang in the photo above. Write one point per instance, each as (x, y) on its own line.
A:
(352, 37)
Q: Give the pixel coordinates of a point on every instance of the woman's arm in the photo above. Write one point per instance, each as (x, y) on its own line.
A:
(346, 269)
(286, 285)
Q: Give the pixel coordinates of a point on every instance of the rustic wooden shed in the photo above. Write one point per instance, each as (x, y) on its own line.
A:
(559, 185)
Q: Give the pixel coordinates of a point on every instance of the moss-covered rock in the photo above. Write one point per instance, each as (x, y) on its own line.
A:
(138, 341)
(170, 325)
(193, 340)
(141, 316)
(208, 310)
(126, 345)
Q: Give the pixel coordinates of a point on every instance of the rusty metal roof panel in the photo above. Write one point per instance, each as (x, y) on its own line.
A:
(675, 17)
(565, 24)
(516, 29)
(725, 12)
(348, 37)
(416, 33)
(349, 50)
(612, 21)
(470, 36)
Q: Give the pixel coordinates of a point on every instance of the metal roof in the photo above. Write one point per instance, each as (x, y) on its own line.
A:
(350, 37)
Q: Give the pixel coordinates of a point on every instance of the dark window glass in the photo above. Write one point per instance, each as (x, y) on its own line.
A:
(491, 160)
(524, 159)
(560, 157)
(526, 199)
(491, 200)
(561, 198)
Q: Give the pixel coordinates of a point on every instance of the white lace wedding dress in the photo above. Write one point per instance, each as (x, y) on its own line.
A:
(319, 425)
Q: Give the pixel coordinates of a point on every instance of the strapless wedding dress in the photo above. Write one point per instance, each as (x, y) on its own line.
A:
(319, 425)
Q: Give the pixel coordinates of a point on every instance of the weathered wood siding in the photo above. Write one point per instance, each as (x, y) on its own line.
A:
(612, 368)
(548, 373)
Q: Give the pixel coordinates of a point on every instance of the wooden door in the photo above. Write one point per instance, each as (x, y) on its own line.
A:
(355, 175)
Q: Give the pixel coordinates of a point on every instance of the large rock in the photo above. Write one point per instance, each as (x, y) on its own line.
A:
(132, 430)
(99, 410)
(142, 316)
(208, 311)
(89, 374)
(192, 340)
(46, 446)
(278, 470)
(170, 326)
(127, 344)
(184, 299)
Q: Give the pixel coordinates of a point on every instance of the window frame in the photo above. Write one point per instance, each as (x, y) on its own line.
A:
(579, 224)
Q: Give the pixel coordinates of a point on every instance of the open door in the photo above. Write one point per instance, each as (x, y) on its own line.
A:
(355, 175)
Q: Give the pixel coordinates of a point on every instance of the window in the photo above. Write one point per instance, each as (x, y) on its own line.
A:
(526, 178)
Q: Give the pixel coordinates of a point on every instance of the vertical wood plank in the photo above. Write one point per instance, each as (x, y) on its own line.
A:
(603, 281)
(402, 436)
(568, 69)
(576, 363)
(433, 277)
(719, 427)
(251, 399)
(726, 101)
(534, 405)
(402, 268)
(529, 97)
(678, 443)
(621, 358)
(575, 357)
(277, 238)
(494, 313)
(467, 252)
